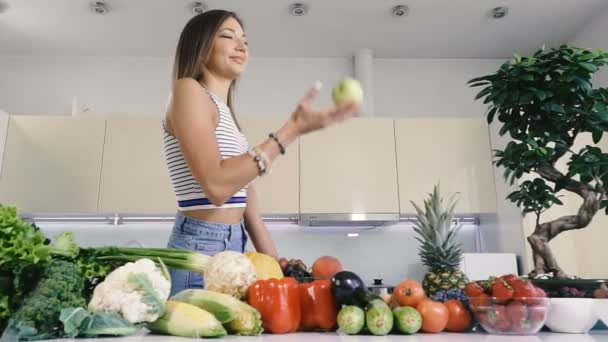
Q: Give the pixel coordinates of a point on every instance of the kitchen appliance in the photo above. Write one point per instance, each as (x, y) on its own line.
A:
(379, 288)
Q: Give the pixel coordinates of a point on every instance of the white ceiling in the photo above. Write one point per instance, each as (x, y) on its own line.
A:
(333, 28)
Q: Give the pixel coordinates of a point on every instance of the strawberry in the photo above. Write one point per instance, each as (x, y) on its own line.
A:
(502, 291)
(540, 293)
(525, 292)
(498, 317)
(517, 312)
(473, 289)
(537, 314)
(509, 278)
(480, 300)
(487, 285)
(482, 318)
(522, 327)
(519, 282)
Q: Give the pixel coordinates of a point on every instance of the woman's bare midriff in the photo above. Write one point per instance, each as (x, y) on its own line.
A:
(222, 215)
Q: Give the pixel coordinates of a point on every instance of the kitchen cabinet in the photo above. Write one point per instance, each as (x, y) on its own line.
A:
(134, 177)
(52, 164)
(453, 151)
(350, 168)
(3, 132)
(278, 192)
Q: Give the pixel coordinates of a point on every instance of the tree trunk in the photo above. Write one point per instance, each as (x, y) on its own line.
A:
(544, 260)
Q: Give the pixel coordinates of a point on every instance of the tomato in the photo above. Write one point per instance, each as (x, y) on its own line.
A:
(408, 293)
(459, 318)
(435, 316)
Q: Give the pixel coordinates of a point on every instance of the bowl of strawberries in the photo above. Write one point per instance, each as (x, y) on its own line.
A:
(508, 305)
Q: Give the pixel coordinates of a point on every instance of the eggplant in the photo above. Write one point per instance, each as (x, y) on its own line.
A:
(348, 289)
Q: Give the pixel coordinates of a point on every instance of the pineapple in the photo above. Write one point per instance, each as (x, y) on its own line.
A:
(439, 250)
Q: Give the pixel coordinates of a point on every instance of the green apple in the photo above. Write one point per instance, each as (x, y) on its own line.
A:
(347, 90)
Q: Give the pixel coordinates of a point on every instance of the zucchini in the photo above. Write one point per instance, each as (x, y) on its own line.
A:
(379, 317)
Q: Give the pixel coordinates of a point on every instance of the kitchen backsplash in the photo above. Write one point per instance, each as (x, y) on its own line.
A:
(388, 252)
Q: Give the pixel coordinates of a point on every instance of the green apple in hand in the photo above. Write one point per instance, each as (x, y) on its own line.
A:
(347, 90)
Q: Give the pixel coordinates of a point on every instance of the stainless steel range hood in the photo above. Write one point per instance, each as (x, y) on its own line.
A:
(347, 219)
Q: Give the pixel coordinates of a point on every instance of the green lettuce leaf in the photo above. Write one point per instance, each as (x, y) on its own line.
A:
(78, 322)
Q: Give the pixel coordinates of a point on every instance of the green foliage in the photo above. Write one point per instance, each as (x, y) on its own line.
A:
(589, 164)
(5, 310)
(544, 102)
(78, 322)
(64, 245)
(61, 286)
(534, 196)
(21, 243)
(439, 249)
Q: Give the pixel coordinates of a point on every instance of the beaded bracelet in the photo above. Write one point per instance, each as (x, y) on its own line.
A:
(274, 137)
(261, 159)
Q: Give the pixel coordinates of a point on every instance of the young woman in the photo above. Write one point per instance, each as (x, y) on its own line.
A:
(211, 164)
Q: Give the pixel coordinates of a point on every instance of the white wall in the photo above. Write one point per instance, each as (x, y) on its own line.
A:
(428, 87)
(594, 36)
(36, 85)
(589, 243)
(140, 86)
(119, 86)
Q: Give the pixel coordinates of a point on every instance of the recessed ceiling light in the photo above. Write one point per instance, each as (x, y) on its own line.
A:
(99, 7)
(499, 12)
(298, 9)
(400, 11)
(198, 8)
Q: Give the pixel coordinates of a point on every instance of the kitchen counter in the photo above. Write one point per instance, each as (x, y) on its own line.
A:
(328, 337)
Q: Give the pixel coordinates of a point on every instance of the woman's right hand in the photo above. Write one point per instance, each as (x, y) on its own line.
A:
(307, 119)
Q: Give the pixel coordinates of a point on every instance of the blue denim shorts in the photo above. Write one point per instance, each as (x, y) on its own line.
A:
(204, 237)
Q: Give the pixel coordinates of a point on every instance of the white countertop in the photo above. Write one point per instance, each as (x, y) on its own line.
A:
(328, 337)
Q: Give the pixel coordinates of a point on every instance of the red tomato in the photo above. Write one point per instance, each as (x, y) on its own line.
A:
(435, 316)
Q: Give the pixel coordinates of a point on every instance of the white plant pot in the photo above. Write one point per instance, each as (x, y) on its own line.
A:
(572, 315)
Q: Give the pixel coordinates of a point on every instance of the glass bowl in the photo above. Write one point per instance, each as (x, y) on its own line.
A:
(516, 316)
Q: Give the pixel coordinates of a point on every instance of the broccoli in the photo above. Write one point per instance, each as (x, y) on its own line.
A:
(5, 310)
(61, 286)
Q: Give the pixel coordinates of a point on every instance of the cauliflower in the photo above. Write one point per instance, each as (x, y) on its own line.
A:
(230, 273)
(137, 290)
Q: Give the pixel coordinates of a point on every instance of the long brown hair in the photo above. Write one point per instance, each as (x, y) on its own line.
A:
(195, 45)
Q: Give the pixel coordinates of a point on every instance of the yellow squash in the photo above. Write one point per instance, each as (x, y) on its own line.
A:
(266, 267)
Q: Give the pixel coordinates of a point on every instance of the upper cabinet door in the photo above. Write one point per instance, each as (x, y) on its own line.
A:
(350, 168)
(277, 192)
(453, 151)
(52, 164)
(134, 177)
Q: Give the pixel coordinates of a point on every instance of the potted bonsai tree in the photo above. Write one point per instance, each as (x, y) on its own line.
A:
(544, 102)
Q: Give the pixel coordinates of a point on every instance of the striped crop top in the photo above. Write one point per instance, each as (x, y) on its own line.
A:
(231, 143)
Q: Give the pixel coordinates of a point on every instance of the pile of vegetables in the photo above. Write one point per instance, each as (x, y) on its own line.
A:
(53, 289)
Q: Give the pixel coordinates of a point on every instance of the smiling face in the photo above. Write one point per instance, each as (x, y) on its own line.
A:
(229, 54)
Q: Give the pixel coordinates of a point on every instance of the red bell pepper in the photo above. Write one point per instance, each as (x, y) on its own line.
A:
(278, 301)
(319, 308)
